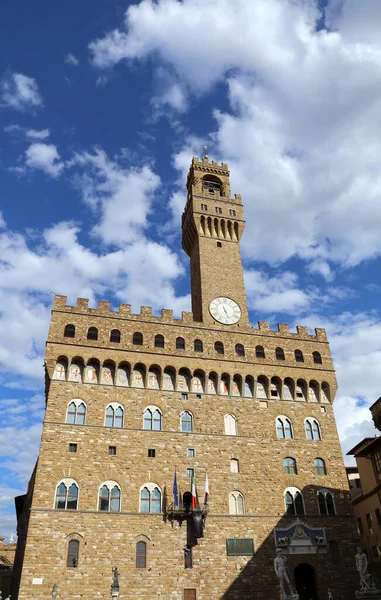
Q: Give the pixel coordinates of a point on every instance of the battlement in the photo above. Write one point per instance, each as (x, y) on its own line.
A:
(124, 312)
(213, 164)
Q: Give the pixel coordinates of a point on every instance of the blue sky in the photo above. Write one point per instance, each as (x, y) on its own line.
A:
(102, 106)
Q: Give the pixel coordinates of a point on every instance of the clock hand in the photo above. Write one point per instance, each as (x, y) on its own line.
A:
(225, 311)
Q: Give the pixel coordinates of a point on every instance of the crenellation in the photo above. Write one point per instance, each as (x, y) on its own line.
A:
(264, 326)
(125, 310)
(302, 331)
(283, 328)
(167, 314)
(146, 311)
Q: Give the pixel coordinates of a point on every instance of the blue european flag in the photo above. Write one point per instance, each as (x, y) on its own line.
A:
(175, 491)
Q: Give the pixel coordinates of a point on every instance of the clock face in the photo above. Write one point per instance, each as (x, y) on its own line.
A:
(225, 310)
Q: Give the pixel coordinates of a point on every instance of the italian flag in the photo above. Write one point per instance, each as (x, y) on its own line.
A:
(194, 494)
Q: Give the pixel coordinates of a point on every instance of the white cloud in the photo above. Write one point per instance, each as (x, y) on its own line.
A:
(38, 134)
(70, 59)
(295, 125)
(124, 197)
(44, 157)
(2, 221)
(275, 294)
(19, 91)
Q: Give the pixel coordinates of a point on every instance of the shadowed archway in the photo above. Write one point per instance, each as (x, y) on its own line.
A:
(305, 582)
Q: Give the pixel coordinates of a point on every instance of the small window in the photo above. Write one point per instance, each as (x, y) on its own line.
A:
(198, 396)
(204, 207)
(151, 452)
(191, 453)
(279, 354)
(141, 555)
(198, 346)
(360, 527)
(259, 352)
(180, 343)
(69, 331)
(232, 212)
(73, 554)
(112, 450)
(186, 421)
(92, 333)
(236, 503)
(76, 413)
(150, 499)
(334, 551)
(325, 503)
(284, 428)
(294, 502)
(319, 465)
(299, 356)
(72, 447)
(152, 419)
(184, 396)
(115, 336)
(230, 425)
(234, 465)
(219, 347)
(137, 339)
(190, 473)
(218, 210)
(239, 547)
(114, 416)
(378, 514)
(109, 497)
(190, 594)
(312, 429)
(317, 358)
(219, 244)
(289, 465)
(369, 523)
(159, 341)
(239, 350)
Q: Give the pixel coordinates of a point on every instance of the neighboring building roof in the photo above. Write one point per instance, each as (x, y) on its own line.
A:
(352, 470)
(365, 446)
(374, 403)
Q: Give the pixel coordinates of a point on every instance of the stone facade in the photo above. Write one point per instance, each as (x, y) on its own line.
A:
(234, 383)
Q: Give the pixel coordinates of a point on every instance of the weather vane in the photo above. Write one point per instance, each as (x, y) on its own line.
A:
(205, 150)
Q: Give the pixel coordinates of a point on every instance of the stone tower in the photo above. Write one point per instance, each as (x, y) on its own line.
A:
(212, 226)
(132, 399)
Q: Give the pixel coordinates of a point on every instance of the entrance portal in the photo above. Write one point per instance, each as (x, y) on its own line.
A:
(305, 582)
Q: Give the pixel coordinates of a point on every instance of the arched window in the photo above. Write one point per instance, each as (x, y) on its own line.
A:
(137, 339)
(92, 333)
(114, 415)
(299, 356)
(230, 423)
(152, 418)
(180, 343)
(72, 554)
(186, 422)
(317, 358)
(115, 336)
(279, 353)
(69, 331)
(198, 346)
(239, 350)
(76, 412)
(325, 503)
(289, 465)
(319, 465)
(67, 495)
(236, 503)
(141, 555)
(284, 428)
(293, 500)
(150, 498)
(159, 341)
(259, 352)
(211, 184)
(219, 347)
(312, 429)
(109, 497)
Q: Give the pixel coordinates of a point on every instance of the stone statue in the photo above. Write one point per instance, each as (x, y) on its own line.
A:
(330, 597)
(115, 583)
(280, 568)
(362, 568)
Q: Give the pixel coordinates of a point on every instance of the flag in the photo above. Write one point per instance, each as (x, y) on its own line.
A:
(194, 494)
(175, 492)
(206, 498)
